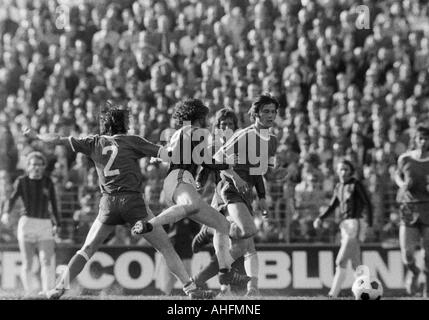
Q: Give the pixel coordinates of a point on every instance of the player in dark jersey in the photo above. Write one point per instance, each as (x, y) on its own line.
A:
(37, 224)
(412, 178)
(188, 150)
(116, 155)
(352, 200)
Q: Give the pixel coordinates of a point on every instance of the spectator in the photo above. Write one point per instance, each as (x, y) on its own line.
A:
(355, 92)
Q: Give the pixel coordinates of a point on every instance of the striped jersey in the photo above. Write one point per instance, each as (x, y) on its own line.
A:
(251, 151)
(36, 195)
(116, 159)
(416, 172)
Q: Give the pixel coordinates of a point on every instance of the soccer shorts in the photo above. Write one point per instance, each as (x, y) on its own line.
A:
(173, 179)
(119, 209)
(228, 194)
(34, 229)
(353, 228)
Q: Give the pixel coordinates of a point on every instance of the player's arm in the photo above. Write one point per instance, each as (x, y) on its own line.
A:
(56, 220)
(47, 138)
(16, 193)
(399, 175)
(329, 210)
(364, 198)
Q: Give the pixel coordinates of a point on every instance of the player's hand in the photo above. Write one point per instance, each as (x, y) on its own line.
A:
(56, 230)
(317, 223)
(48, 137)
(263, 207)
(5, 219)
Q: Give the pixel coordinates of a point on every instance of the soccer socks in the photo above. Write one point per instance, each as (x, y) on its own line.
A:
(339, 277)
(75, 266)
(221, 246)
(251, 265)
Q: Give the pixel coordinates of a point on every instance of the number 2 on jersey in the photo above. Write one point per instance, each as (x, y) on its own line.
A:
(107, 171)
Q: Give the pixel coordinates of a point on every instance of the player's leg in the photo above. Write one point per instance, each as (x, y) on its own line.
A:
(188, 195)
(170, 215)
(96, 236)
(176, 211)
(47, 264)
(355, 246)
(425, 235)
(348, 245)
(158, 238)
(46, 247)
(251, 265)
(238, 249)
(244, 225)
(409, 238)
(27, 248)
(166, 278)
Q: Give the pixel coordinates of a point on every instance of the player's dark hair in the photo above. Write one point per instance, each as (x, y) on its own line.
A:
(114, 120)
(190, 110)
(349, 164)
(260, 102)
(223, 114)
(423, 130)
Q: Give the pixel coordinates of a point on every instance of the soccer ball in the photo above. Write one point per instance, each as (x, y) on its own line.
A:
(367, 288)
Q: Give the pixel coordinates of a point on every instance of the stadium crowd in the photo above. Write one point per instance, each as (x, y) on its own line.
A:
(345, 89)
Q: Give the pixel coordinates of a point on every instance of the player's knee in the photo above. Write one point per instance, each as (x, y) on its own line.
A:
(238, 248)
(241, 232)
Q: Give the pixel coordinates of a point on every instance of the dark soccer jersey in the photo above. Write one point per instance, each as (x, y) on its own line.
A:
(116, 159)
(36, 195)
(416, 173)
(250, 149)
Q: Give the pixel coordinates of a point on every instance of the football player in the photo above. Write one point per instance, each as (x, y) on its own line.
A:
(116, 155)
(37, 225)
(353, 202)
(412, 178)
